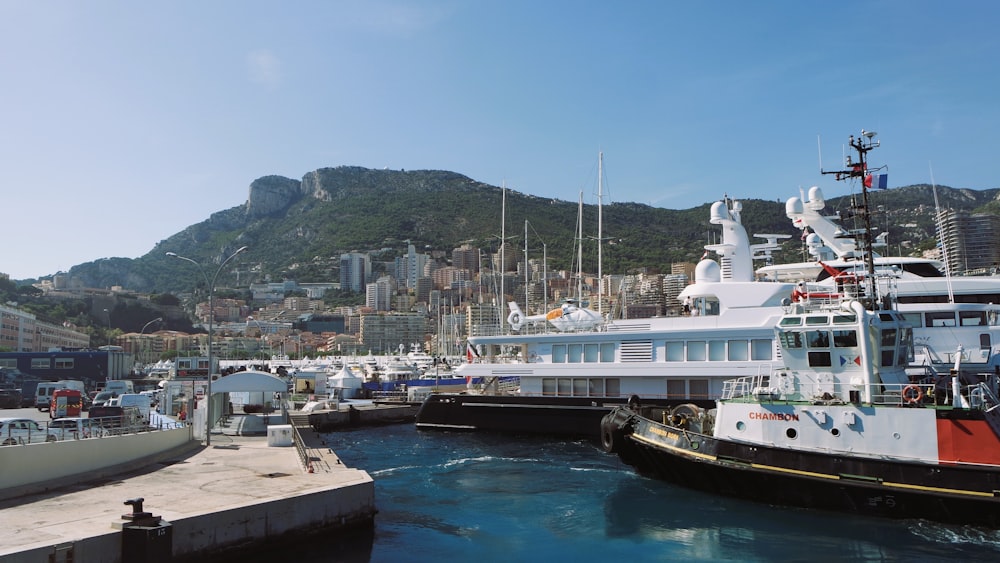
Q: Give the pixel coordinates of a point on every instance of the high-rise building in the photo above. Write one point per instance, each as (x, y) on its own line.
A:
(465, 257)
(969, 241)
(355, 270)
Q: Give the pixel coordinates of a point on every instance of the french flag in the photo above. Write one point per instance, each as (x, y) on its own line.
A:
(470, 352)
(879, 182)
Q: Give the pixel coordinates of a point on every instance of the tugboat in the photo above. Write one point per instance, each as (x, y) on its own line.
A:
(840, 426)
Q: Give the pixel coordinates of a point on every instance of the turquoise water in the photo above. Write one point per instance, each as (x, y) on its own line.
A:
(447, 496)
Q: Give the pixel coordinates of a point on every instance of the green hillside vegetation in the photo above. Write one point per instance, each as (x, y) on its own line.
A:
(370, 210)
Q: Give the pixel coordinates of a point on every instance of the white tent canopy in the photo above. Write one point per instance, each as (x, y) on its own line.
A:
(249, 381)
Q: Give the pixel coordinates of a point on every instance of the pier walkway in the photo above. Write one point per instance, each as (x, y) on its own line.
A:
(236, 491)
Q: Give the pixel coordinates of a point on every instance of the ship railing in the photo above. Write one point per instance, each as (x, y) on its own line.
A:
(745, 386)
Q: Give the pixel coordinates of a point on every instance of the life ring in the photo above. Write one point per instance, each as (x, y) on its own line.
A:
(912, 394)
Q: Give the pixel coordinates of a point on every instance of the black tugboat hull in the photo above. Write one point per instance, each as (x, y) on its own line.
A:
(965, 495)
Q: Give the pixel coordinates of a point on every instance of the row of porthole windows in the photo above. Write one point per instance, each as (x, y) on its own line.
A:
(759, 349)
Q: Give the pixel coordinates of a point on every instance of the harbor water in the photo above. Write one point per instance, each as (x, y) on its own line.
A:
(452, 496)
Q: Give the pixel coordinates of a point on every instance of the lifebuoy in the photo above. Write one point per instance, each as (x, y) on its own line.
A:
(912, 394)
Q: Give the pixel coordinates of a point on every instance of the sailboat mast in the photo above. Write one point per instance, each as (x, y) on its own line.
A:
(600, 233)
(503, 240)
(527, 281)
(579, 252)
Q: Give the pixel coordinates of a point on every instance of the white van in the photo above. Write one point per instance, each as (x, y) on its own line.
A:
(120, 386)
(43, 394)
(137, 400)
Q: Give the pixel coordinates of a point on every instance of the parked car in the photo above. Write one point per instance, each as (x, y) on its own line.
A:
(10, 398)
(15, 431)
(76, 428)
(103, 398)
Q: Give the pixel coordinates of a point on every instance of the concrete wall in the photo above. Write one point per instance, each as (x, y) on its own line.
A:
(33, 468)
(324, 511)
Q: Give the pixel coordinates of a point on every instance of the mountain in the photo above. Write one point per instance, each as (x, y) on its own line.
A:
(297, 229)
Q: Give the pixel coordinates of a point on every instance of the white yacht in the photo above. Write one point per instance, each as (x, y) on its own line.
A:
(569, 380)
(954, 317)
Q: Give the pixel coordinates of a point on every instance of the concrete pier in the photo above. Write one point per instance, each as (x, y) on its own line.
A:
(237, 493)
(348, 416)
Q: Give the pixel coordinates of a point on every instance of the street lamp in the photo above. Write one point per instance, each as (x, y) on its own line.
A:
(261, 329)
(108, 313)
(211, 317)
(144, 327)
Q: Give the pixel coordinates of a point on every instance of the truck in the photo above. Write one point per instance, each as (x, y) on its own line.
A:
(115, 420)
(137, 400)
(65, 402)
(120, 386)
(43, 392)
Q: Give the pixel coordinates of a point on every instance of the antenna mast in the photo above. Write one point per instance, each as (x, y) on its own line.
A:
(863, 144)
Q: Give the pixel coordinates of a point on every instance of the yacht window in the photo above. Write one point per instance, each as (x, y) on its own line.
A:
(596, 387)
(791, 339)
(564, 386)
(580, 386)
(8, 363)
(818, 338)
(912, 318)
(791, 321)
(819, 359)
(940, 319)
(696, 351)
(676, 389)
(888, 357)
(889, 338)
(817, 320)
(846, 319)
(41, 363)
(548, 386)
(717, 350)
(591, 353)
(558, 353)
(984, 341)
(613, 387)
(971, 318)
(699, 388)
(845, 339)
(574, 352)
(608, 352)
(738, 350)
(761, 349)
(64, 363)
(675, 352)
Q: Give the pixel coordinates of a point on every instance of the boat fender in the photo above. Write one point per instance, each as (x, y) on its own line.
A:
(912, 394)
(614, 426)
(608, 439)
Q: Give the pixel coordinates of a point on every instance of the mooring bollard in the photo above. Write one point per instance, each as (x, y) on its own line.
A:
(145, 538)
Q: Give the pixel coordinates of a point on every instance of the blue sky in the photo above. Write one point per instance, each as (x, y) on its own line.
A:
(125, 122)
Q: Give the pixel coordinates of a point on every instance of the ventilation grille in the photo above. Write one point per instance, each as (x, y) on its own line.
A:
(637, 351)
